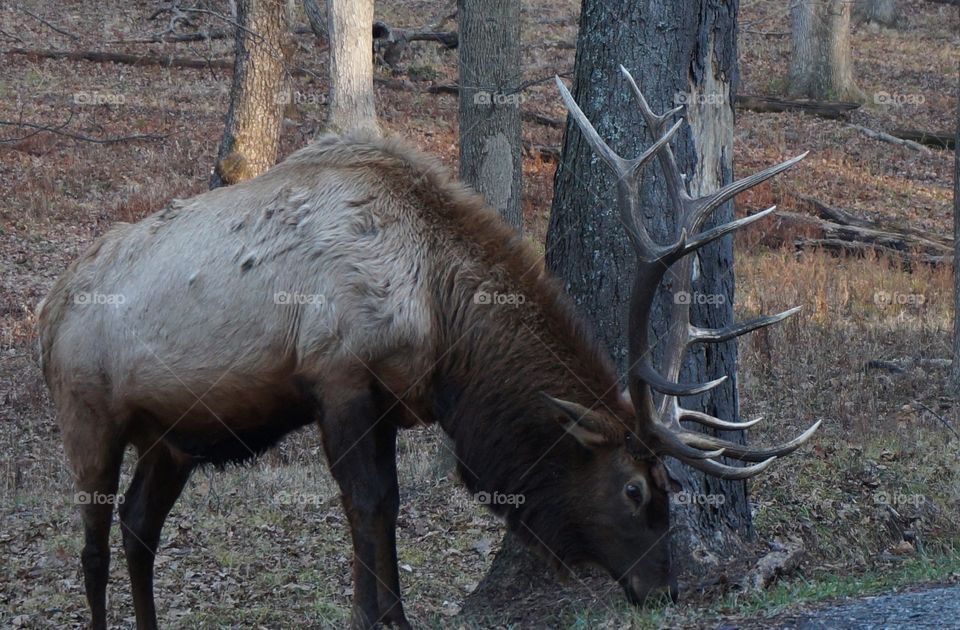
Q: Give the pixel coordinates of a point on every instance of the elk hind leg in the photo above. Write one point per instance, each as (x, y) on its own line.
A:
(94, 451)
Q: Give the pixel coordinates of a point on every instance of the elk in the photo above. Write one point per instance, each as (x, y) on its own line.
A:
(387, 266)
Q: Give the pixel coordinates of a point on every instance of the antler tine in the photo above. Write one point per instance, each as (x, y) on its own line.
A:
(718, 335)
(743, 452)
(723, 471)
(627, 172)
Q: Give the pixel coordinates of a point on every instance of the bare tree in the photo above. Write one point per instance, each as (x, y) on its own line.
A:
(820, 65)
(882, 12)
(350, 33)
(490, 102)
(251, 135)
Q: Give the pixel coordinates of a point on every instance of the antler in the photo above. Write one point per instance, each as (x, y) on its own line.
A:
(660, 424)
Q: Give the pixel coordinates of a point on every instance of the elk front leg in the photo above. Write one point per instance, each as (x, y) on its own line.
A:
(388, 583)
(355, 438)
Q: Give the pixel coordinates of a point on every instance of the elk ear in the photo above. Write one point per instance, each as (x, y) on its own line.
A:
(579, 421)
(663, 478)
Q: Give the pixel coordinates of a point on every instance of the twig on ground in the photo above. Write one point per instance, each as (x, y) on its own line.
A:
(59, 131)
(49, 24)
(940, 418)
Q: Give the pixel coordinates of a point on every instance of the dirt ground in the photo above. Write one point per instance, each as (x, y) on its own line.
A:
(878, 492)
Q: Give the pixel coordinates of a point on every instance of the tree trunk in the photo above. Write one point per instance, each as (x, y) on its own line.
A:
(251, 135)
(679, 52)
(317, 17)
(883, 12)
(350, 33)
(490, 104)
(820, 65)
(955, 369)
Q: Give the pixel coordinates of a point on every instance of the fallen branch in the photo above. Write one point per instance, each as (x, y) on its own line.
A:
(768, 104)
(60, 132)
(929, 138)
(201, 36)
(783, 560)
(940, 418)
(540, 119)
(892, 139)
(544, 152)
(853, 248)
(148, 59)
(900, 366)
(844, 217)
(895, 242)
(49, 25)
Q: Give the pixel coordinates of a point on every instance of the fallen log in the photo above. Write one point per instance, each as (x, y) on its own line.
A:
(544, 152)
(891, 138)
(146, 59)
(860, 249)
(540, 119)
(853, 240)
(783, 559)
(770, 104)
(844, 217)
(929, 138)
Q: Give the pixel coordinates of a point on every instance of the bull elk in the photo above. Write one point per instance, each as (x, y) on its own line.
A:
(200, 359)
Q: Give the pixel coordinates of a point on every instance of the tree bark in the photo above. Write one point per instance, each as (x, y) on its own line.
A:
(489, 106)
(955, 367)
(678, 51)
(317, 17)
(251, 135)
(882, 12)
(350, 34)
(820, 65)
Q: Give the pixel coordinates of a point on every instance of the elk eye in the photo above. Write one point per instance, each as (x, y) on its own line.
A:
(635, 492)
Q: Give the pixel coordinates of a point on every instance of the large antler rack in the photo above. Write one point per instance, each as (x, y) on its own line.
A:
(659, 424)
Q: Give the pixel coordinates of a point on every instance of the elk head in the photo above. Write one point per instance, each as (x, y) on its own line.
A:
(626, 505)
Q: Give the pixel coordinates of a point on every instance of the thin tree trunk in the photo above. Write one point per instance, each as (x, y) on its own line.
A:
(882, 12)
(679, 52)
(251, 135)
(350, 33)
(820, 65)
(955, 369)
(490, 104)
(317, 17)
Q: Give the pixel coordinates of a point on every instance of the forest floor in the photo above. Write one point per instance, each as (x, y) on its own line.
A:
(875, 498)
